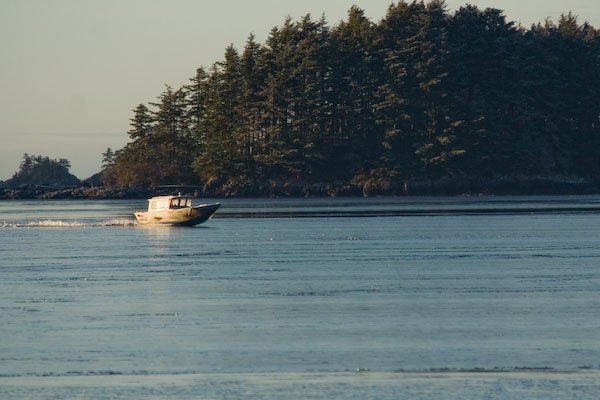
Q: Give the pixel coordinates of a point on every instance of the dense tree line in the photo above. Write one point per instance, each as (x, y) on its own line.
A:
(422, 94)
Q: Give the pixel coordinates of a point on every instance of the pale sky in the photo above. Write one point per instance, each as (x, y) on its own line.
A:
(72, 70)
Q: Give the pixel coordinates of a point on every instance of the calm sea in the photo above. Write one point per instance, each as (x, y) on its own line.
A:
(385, 298)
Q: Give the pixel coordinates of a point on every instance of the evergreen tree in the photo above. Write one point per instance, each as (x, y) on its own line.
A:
(197, 94)
(399, 106)
(141, 123)
(483, 66)
(439, 133)
(252, 126)
(222, 154)
(356, 78)
(172, 142)
(108, 158)
(132, 165)
(280, 156)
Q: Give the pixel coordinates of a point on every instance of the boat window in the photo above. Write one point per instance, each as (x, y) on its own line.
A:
(179, 203)
(158, 205)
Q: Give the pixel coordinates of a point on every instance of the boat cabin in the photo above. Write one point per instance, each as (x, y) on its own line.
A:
(168, 203)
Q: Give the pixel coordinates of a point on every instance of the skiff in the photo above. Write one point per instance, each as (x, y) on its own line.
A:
(175, 210)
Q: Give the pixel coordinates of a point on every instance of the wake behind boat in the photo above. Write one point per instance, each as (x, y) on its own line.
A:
(175, 210)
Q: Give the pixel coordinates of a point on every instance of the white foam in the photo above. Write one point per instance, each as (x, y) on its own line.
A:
(119, 222)
(49, 223)
(55, 224)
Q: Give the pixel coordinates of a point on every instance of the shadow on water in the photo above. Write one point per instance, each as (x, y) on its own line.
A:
(406, 206)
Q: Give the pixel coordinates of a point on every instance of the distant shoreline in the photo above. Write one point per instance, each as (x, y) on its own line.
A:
(519, 185)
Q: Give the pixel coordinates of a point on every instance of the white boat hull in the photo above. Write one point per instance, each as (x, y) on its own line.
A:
(187, 216)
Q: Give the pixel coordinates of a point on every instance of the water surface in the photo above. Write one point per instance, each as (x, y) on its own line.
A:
(308, 298)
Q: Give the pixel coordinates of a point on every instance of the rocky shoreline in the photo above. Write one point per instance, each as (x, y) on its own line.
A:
(518, 185)
(25, 192)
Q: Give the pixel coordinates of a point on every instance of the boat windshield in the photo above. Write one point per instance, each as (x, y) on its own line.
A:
(179, 203)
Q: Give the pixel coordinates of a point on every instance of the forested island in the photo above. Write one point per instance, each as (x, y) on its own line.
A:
(422, 102)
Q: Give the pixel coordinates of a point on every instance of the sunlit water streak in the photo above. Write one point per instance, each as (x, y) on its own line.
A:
(427, 306)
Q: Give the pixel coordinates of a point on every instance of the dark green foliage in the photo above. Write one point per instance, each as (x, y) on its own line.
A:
(421, 95)
(39, 170)
(108, 158)
(163, 146)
